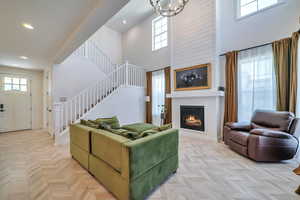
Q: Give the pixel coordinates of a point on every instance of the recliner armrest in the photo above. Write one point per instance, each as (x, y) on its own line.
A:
(239, 126)
(271, 133)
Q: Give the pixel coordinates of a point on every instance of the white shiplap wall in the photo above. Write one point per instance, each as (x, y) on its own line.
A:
(193, 42)
(193, 35)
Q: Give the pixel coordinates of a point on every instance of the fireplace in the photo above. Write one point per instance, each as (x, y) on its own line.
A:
(192, 117)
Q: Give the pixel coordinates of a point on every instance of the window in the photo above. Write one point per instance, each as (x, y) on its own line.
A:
(158, 96)
(256, 82)
(247, 7)
(159, 33)
(15, 84)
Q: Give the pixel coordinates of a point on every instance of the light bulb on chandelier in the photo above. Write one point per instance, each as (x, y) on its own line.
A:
(172, 8)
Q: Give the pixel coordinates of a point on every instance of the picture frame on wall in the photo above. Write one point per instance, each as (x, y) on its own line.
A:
(193, 78)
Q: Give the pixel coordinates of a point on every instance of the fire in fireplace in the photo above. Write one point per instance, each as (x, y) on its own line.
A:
(192, 117)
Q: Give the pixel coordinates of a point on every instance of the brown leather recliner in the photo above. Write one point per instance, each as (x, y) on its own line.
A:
(270, 136)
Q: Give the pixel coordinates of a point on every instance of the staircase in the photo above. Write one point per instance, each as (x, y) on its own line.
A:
(71, 111)
(90, 51)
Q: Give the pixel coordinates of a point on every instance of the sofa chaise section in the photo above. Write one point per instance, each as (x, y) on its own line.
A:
(130, 169)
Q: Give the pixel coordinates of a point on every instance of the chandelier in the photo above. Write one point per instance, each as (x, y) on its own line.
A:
(172, 8)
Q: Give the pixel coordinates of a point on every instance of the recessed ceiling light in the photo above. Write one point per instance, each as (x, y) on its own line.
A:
(28, 26)
(24, 57)
(124, 21)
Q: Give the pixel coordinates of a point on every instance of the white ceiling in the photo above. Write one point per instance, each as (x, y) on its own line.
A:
(134, 12)
(55, 21)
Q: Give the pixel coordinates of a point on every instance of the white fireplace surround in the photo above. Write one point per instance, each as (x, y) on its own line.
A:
(213, 111)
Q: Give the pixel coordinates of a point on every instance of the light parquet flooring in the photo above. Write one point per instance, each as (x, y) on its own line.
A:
(32, 168)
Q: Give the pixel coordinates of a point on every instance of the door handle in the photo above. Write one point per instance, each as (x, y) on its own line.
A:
(2, 110)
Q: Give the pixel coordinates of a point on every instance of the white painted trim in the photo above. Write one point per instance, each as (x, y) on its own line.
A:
(197, 94)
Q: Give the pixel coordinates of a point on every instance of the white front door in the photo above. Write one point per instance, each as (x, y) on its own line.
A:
(15, 103)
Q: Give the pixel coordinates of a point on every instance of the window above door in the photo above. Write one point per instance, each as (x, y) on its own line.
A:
(249, 7)
(15, 84)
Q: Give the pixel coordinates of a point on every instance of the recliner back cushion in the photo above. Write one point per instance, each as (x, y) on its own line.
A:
(280, 121)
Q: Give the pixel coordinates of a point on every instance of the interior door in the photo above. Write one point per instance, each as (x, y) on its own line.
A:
(15, 103)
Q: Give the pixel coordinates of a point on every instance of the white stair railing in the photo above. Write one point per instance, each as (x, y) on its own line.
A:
(92, 52)
(75, 108)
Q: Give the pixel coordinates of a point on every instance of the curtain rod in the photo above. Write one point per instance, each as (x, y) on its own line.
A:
(254, 46)
(262, 45)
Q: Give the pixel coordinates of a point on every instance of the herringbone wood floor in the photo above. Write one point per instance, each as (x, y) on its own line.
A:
(31, 167)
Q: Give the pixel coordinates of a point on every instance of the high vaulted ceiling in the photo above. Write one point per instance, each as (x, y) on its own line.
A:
(134, 12)
(60, 27)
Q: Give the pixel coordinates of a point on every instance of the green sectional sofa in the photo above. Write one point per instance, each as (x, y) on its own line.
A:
(129, 169)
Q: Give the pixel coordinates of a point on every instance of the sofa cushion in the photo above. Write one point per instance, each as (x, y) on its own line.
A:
(239, 126)
(272, 119)
(89, 123)
(270, 133)
(239, 137)
(164, 127)
(139, 127)
(107, 146)
(113, 122)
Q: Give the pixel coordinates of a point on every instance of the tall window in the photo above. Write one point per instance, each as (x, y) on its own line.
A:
(247, 7)
(158, 96)
(15, 84)
(159, 33)
(256, 82)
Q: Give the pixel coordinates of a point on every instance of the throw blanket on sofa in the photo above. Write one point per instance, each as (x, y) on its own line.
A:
(131, 131)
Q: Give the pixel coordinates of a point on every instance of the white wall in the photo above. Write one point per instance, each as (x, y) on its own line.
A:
(36, 78)
(263, 27)
(110, 42)
(72, 76)
(266, 26)
(137, 47)
(128, 104)
(193, 36)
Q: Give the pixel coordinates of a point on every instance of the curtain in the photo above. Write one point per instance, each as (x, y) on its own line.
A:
(230, 112)
(282, 53)
(149, 94)
(298, 80)
(256, 81)
(158, 96)
(168, 101)
(294, 72)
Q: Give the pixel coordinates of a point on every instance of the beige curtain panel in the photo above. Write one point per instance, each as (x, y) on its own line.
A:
(285, 63)
(230, 113)
(293, 72)
(281, 51)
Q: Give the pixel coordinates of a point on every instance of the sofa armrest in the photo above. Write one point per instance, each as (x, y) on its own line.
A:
(80, 136)
(145, 153)
(271, 133)
(239, 126)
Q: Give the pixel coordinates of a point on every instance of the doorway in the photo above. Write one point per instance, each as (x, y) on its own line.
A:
(15, 103)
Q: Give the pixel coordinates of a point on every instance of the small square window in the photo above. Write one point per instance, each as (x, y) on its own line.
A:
(23, 81)
(7, 80)
(7, 87)
(23, 88)
(16, 81)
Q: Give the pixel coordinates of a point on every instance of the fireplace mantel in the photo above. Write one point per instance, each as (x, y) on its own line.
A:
(197, 94)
